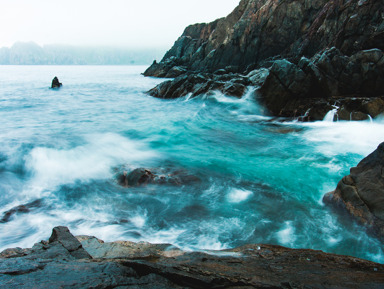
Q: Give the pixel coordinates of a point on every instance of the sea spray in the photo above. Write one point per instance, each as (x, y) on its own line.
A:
(257, 180)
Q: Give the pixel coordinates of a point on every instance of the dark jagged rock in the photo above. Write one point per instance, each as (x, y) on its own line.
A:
(201, 83)
(361, 193)
(56, 83)
(327, 75)
(158, 176)
(257, 32)
(69, 242)
(314, 51)
(142, 265)
(306, 90)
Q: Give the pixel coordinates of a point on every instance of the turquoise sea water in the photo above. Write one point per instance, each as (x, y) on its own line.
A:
(262, 181)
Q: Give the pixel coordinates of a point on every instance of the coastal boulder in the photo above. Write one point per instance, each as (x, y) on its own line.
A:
(361, 193)
(61, 235)
(285, 81)
(354, 84)
(374, 107)
(56, 83)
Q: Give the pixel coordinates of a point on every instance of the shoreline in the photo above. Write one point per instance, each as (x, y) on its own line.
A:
(83, 262)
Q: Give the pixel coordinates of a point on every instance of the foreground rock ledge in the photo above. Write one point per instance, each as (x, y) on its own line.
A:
(66, 261)
(361, 193)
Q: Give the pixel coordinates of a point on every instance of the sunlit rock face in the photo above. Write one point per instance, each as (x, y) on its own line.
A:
(258, 32)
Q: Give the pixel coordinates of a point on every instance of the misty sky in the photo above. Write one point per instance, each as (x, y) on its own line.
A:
(125, 23)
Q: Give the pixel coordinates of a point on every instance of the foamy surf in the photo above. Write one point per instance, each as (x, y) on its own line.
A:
(93, 160)
(255, 180)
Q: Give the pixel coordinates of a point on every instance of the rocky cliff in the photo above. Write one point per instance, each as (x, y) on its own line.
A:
(65, 261)
(317, 53)
(258, 31)
(361, 193)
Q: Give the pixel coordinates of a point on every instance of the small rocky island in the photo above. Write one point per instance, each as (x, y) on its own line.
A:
(56, 83)
(305, 58)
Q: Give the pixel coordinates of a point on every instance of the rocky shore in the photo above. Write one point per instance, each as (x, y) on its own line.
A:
(65, 261)
(305, 58)
(361, 194)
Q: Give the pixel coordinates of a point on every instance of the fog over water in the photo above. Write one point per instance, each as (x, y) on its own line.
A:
(116, 23)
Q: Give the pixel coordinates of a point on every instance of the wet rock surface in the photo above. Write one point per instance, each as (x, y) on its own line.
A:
(332, 78)
(361, 193)
(197, 84)
(56, 83)
(306, 91)
(155, 176)
(142, 265)
(302, 55)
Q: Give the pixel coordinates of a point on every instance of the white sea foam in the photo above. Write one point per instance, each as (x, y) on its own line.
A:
(162, 236)
(138, 220)
(93, 160)
(238, 195)
(335, 138)
(286, 235)
(330, 116)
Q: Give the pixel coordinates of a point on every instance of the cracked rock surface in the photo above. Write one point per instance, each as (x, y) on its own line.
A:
(87, 262)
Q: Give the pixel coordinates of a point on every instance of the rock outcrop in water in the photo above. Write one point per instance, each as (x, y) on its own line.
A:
(361, 193)
(318, 54)
(87, 262)
(56, 83)
(155, 176)
(21, 209)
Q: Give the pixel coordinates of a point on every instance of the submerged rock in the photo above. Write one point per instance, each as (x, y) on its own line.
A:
(21, 209)
(143, 265)
(361, 193)
(158, 176)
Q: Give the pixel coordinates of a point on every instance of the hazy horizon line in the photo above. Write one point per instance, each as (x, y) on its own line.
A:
(31, 53)
(114, 46)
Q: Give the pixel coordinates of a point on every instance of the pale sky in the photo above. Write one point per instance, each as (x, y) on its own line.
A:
(125, 23)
